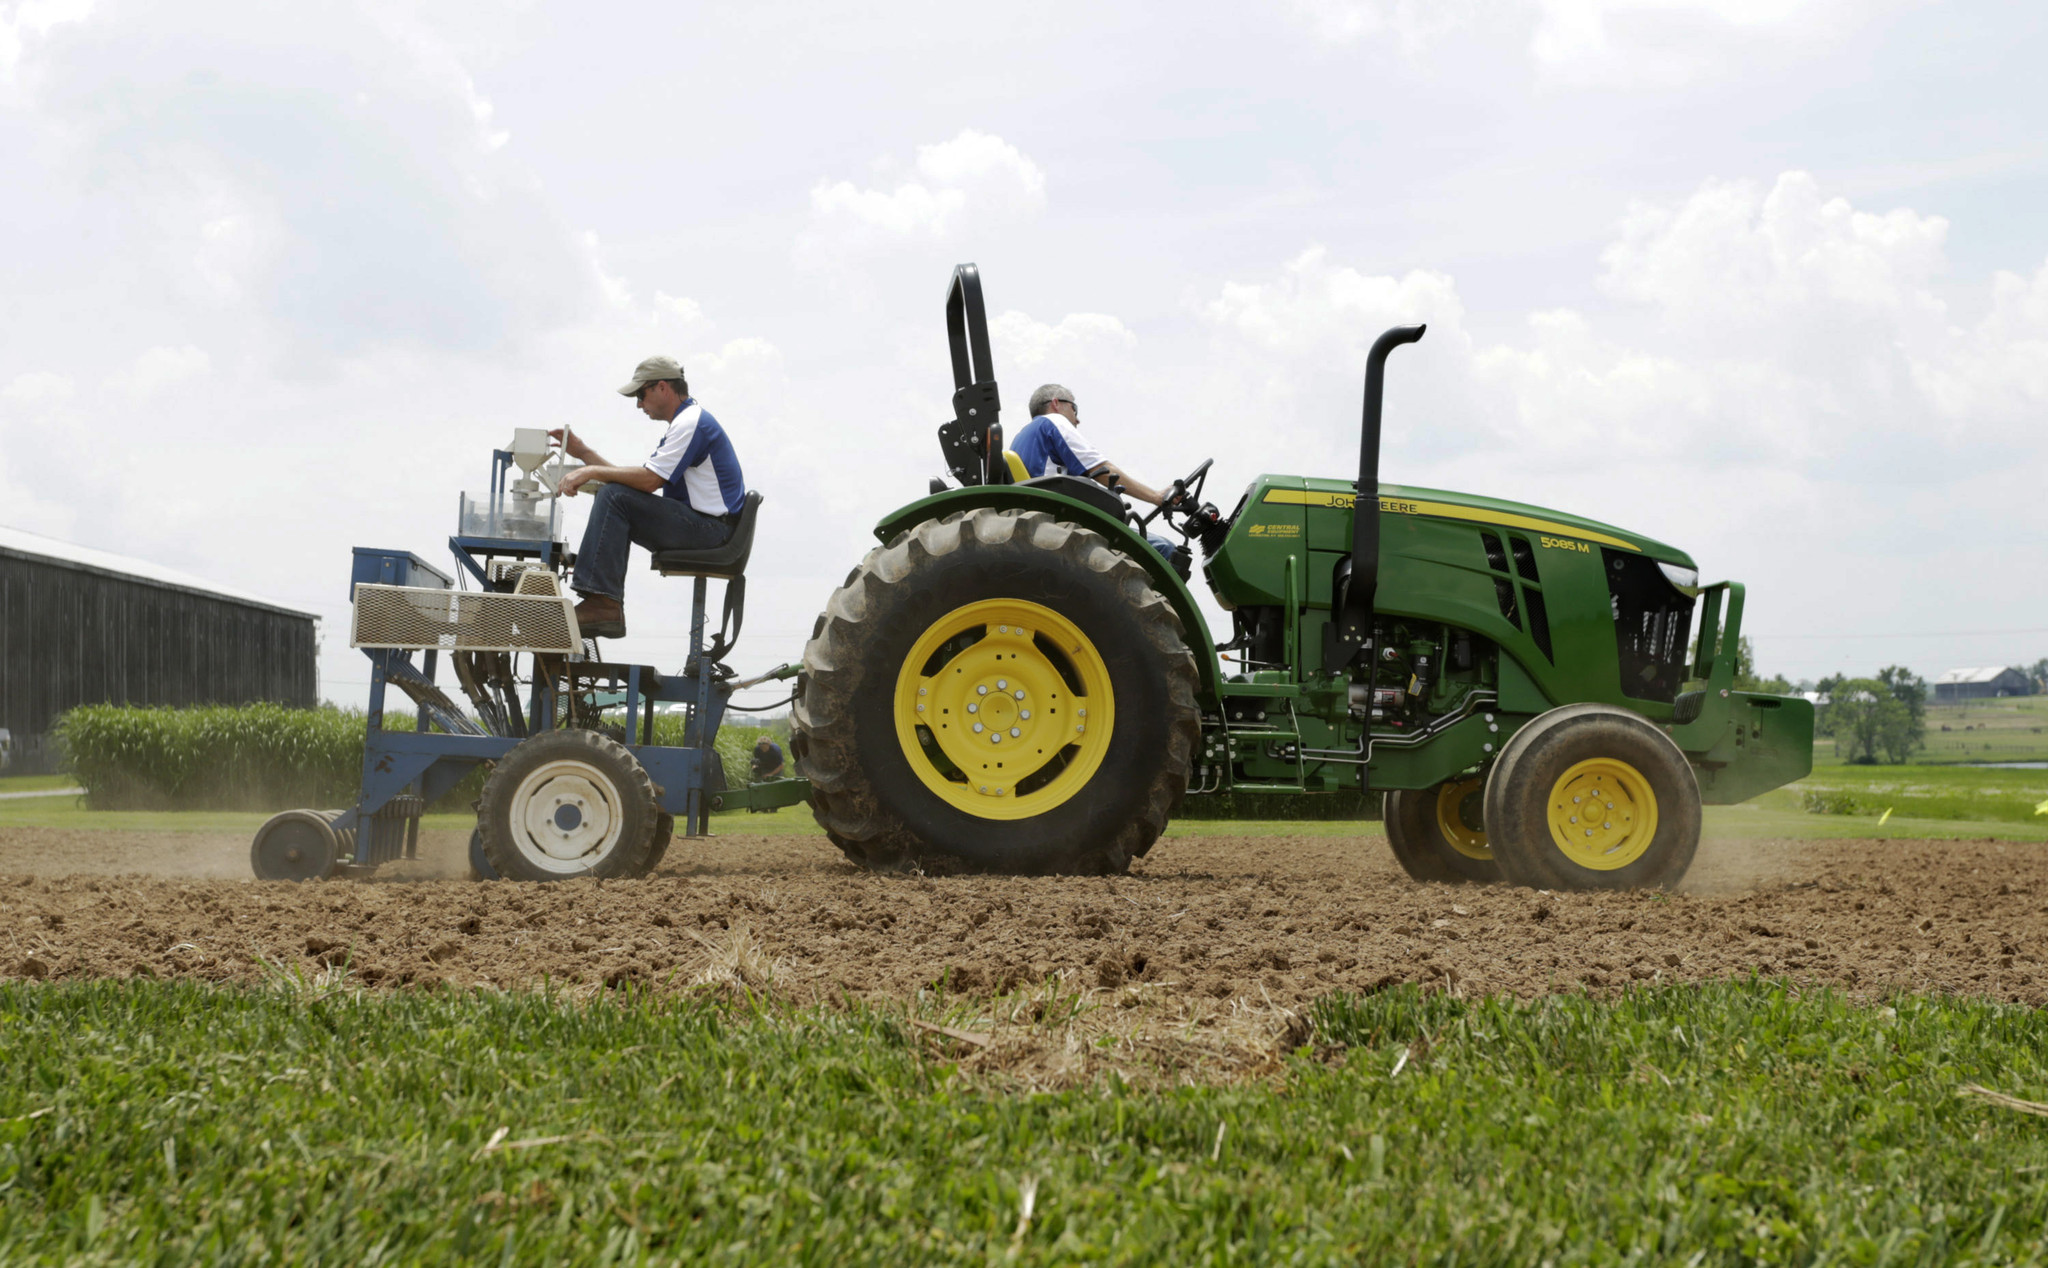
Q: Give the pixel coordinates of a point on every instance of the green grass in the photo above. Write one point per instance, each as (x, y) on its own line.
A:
(35, 783)
(1961, 794)
(1730, 1123)
(2010, 730)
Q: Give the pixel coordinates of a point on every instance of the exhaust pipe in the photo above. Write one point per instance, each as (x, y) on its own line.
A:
(1353, 620)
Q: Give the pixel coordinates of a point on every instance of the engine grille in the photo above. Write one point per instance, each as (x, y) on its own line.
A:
(464, 620)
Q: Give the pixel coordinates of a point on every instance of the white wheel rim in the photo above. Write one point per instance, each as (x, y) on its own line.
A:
(566, 817)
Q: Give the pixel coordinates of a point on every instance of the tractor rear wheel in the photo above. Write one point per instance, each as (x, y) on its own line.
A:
(1439, 834)
(568, 803)
(996, 691)
(1590, 796)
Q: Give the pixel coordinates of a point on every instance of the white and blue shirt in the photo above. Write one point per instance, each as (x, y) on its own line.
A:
(696, 459)
(1050, 445)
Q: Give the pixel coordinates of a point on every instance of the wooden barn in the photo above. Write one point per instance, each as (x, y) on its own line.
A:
(1981, 684)
(82, 626)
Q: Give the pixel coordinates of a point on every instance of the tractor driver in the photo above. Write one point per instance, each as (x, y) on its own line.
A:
(1051, 444)
(686, 496)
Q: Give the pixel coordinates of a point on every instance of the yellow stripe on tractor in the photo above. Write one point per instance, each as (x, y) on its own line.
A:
(1447, 511)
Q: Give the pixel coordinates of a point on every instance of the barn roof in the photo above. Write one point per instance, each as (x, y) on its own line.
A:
(1989, 674)
(17, 541)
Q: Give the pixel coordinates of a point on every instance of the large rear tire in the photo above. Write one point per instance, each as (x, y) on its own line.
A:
(996, 691)
(1590, 796)
(565, 804)
(1439, 834)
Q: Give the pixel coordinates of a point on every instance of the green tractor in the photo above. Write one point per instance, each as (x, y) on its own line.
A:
(1016, 681)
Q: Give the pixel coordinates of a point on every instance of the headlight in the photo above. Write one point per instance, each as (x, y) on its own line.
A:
(1685, 580)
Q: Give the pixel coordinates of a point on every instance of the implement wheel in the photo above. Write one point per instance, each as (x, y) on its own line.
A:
(1439, 834)
(297, 845)
(1592, 797)
(996, 692)
(565, 804)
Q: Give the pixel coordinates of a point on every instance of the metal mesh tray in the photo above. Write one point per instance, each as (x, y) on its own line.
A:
(411, 617)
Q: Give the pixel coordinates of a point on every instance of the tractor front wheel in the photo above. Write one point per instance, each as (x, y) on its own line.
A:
(1439, 834)
(996, 691)
(565, 804)
(1592, 797)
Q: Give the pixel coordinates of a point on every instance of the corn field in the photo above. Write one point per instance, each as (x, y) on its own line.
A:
(265, 756)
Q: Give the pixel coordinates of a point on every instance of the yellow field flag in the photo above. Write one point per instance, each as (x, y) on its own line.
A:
(2042, 809)
(1886, 815)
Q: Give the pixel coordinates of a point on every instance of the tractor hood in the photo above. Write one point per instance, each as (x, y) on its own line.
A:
(1402, 499)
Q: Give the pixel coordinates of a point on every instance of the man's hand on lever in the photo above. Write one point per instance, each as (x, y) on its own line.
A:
(573, 445)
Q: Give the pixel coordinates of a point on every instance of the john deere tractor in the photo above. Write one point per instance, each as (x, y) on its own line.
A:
(1016, 681)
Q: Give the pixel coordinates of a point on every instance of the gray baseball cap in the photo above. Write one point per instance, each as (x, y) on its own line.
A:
(652, 370)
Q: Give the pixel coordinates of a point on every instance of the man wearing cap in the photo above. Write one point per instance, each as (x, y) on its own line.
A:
(686, 496)
(1051, 444)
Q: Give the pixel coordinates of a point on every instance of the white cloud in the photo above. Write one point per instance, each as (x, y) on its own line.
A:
(162, 368)
(974, 175)
(1289, 351)
(1758, 327)
(1604, 43)
(1780, 389)
(33, 19)
(1412, 23)
(1079, 344)
(1732, 257)
(37, 387)
(684, 309)
(1659, 43)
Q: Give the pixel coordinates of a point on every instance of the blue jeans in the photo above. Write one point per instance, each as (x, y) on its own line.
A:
(625, 517)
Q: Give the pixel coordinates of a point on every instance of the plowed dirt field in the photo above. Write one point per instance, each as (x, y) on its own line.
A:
(1206, 918)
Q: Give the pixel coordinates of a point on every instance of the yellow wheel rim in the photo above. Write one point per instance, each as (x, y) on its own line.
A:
(1003, 709)
(1458, 816)
(1603, 814)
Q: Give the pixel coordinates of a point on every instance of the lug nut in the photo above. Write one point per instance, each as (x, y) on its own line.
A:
(1015, 732)
(978, 727)
(1019, 693)
(996, 738)
(981, 691)
(1002, 684)
(1024, 714)
(973, 708)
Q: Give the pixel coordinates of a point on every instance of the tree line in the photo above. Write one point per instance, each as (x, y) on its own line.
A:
(1871, 720)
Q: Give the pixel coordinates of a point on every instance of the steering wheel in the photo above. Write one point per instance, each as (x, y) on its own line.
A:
(1187, 491)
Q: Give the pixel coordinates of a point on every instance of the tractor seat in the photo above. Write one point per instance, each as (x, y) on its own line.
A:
(1082, 489)
(728, 561)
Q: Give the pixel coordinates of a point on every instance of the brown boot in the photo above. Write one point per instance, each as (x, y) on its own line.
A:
(601, 616)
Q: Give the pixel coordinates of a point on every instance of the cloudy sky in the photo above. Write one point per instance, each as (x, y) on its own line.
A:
(1767, 279)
